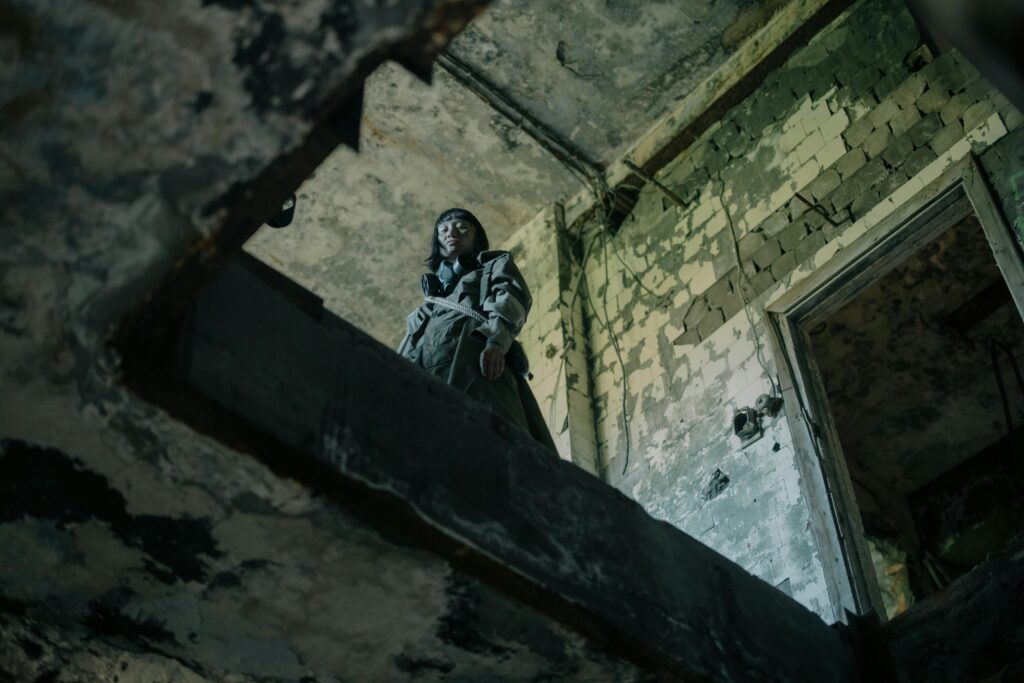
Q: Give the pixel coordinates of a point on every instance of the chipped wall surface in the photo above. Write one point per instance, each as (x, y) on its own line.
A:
(600, 73)
(856, 122)
(363, 220)
(133, 548)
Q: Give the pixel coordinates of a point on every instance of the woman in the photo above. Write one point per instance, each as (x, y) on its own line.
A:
(475, 303)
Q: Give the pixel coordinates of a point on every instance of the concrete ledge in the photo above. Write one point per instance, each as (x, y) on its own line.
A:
(420, 459)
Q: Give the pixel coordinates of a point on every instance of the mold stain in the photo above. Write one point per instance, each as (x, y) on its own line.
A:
(45, 483)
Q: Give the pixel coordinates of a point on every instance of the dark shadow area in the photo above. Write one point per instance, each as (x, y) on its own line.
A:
(922, 373)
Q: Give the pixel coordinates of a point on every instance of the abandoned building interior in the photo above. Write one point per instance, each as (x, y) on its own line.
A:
(775, 250)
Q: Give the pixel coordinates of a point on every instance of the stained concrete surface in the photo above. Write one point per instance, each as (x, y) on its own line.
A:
(489, 496)
(363, 220)
(133, 547)
(601, 73)
(598, 73)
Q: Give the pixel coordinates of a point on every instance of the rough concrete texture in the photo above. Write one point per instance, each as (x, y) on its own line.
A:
(134, 549)
(168, 556)
(598, 73)
(846, 124)
(601, 73)
(489, 498)
(363, 221)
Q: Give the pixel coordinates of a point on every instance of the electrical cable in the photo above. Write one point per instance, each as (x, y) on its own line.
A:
(776, 390)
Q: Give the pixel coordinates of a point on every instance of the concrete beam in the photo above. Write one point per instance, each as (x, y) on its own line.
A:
(259, 364)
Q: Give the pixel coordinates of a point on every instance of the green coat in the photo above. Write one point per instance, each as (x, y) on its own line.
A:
(448, 343)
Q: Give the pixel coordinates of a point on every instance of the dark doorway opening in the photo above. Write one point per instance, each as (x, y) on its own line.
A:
(922, 374)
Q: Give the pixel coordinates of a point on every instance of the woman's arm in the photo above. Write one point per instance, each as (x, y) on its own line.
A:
(505, 300)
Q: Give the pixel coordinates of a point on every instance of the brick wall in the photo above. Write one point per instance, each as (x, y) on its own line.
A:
(858, 120)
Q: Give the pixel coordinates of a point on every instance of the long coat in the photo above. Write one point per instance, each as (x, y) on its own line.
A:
(448, 343)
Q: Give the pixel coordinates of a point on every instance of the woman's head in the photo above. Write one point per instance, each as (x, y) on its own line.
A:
(456, 232)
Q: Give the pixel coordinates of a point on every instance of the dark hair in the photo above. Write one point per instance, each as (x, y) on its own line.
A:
(480, 243)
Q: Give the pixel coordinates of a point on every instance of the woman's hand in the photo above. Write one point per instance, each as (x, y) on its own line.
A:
(492, 362)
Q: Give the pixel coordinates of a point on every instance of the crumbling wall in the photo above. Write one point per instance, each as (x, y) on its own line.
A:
(133, 548)
(555, 335)
(859, 120)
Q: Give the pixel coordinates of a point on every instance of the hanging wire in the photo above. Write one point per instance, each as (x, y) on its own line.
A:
(776, 389)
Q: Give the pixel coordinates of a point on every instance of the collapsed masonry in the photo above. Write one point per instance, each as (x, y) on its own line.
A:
(136, 547)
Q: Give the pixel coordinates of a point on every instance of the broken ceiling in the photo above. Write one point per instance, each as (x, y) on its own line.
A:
(598, 74)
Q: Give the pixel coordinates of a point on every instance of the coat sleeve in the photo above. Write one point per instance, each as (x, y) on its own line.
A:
(413, 325)
(505, 300)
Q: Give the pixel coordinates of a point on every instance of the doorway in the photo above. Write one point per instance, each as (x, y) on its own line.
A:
(902, 364)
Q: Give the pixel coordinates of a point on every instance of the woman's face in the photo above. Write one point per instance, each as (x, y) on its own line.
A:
(457, 236)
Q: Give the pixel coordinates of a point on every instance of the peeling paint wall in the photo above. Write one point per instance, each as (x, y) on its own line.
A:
(363, 220)
(856, 122)
(133, 548)
(133, 545)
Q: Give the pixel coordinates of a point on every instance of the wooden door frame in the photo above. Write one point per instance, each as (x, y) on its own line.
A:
(835, 516)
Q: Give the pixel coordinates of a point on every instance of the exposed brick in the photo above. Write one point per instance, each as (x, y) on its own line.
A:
(783, 265)
(850, 163)
(858, 132)
(762, 281)
(823, 184)
(976, 114)
(864, 202)
(731, 139)
(750, 243)
(774, 223)
(1013, 118)
(732, 305)
(792, 235)
(917, 160)
(883, 113)
(715, 159)
(768, 252)
(907, 92)
(808, 247)
(813, 219)
(932, 100)
(885, 85)
(865, 178)
(698, 309)
(955, 108)
(947, 73)
(891, 183)
(905, 120)
(688, 338)
(947, 137)
(922, 132)
(864, 79)
(877, 142)
(899, 150)
(710, 322)
(718, 293)
(835, 125)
